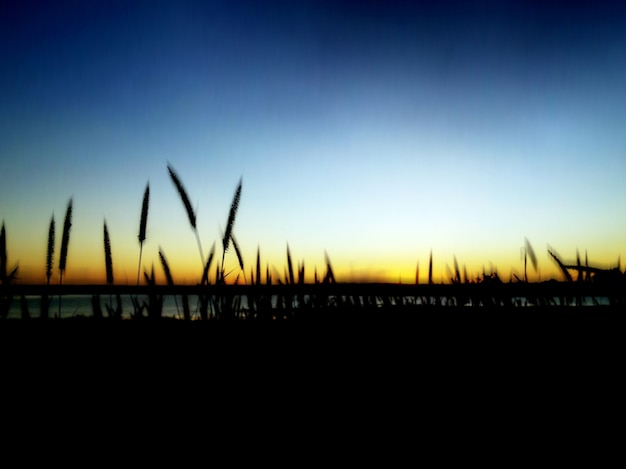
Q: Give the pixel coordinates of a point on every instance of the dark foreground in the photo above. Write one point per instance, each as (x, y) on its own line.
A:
(452, 352)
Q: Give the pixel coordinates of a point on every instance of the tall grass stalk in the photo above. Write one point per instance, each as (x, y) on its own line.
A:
(330, 275)
(65, 241)
(529, 252)
(457, 272)
(142, 225)
(108, 260)
(168, 275)
(45, 301)
(430, 269)
(187, 203)
(207, 266)
(3, 253)
(203, 299)
(238, 253)
(50, 251)
(231, 220)
(166, 269)
(290, 279)
(562, 266)
(258, 265)
(155, 301)
(5, 278)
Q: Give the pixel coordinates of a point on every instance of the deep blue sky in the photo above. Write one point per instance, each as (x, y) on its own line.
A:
(373, 130)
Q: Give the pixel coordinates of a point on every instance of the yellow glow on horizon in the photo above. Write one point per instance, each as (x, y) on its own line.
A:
(189, 272)
(86, 265)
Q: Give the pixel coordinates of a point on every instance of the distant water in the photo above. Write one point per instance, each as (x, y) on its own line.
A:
(80, 305)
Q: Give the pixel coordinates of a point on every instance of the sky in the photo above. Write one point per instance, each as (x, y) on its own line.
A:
(374, 132)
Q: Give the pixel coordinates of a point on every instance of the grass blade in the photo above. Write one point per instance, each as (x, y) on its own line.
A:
(567, 275)
(430, 269)
(417, 274)
(143, 222)
(237, 251)
(183, 196)
(291, 279)
(4, 277)
(531, 254)
(166, 269)
(187, 203)
(330, 276)
(3, 253)
(108, 261)
(65, 240)
(168, 276)
(258, 265)
(301, 273)
(50, 252)
(150, 280)
(457, 272)
(205, 272)
(144, 215)
(231, 216)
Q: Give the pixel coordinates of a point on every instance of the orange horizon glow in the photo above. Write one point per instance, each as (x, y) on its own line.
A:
(395, 263)
(189, 273)
(375, 132)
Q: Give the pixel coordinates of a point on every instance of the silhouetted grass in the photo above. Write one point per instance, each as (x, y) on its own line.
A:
(154, 306)
(188, 208)
(288, 296)
(228, 233)
(529, 252)
(207, 266)
(117, 312)
(143, 222)
(46, 301)
(430, 269)
(108, 260)
(168, 274)
(566, 273)
(237, 252)
(6, 278)
(65, 241)
(50, 251)
(231, 217)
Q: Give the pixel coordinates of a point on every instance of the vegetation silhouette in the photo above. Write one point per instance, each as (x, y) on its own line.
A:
(65, 241)
(6, 278)
(288, 296)
(187, 203)
(143, 222)
(46, 301)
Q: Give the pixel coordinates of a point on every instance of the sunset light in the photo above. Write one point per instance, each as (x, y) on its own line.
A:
(368, 134)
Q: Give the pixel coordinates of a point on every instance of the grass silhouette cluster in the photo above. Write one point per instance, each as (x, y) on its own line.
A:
(233, 296)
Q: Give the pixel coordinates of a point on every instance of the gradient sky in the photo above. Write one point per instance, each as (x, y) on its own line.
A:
(374, 131)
